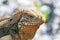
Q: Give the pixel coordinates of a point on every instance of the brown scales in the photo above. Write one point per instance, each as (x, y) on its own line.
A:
(26, 32)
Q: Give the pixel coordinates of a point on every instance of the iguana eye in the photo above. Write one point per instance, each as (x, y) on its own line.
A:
(31, 16)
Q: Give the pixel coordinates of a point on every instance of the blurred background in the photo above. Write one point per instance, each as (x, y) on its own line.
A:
(49, 8)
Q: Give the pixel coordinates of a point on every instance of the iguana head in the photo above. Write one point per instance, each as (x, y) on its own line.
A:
(27, 21)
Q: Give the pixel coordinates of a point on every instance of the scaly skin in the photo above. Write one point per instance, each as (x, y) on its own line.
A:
(29, 31)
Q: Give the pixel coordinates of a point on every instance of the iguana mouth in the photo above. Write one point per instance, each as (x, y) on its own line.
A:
(29, 19)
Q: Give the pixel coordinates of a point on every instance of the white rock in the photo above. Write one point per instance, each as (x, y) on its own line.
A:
(56, 3)
(45, 8)
(43, 27)
(57, 37)
(44, 37)
(56, 20)
(46, 1)
(8, 37)
(57, 11)
(55, 27)
(40, 32)
(3, 10)
(24, 2)
(6, 10)
(13, 4)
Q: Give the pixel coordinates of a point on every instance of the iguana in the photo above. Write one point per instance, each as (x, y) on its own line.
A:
(22, 25)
